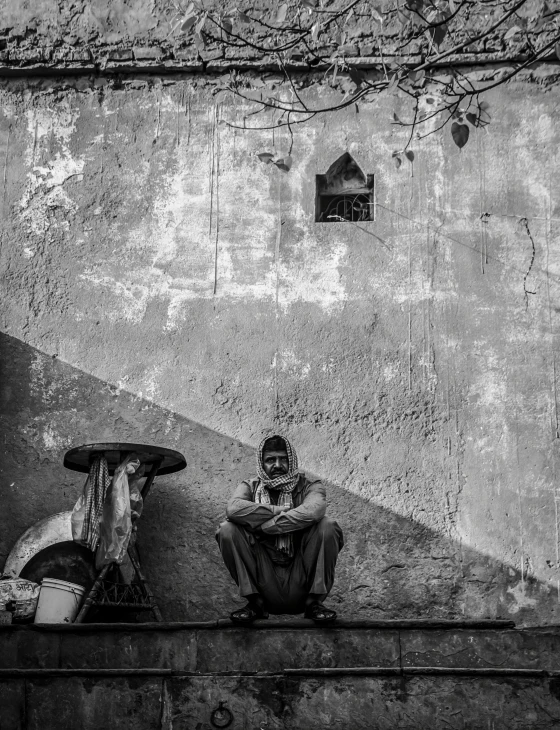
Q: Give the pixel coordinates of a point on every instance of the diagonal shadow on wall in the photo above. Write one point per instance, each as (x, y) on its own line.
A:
(396, 568)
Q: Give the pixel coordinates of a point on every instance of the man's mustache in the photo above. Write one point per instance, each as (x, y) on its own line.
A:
(278, 470)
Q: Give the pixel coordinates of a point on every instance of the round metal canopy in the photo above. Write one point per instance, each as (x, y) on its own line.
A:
(79, 458)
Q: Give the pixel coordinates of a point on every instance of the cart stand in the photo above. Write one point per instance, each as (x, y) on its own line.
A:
(113, 593)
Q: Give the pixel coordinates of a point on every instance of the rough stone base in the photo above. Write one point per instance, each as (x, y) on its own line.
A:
(287, 676)
(372, 703)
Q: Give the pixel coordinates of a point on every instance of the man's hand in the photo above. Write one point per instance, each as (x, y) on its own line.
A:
(282, 508)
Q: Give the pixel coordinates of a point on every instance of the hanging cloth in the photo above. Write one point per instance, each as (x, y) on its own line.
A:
(87, 510)
(116, 520)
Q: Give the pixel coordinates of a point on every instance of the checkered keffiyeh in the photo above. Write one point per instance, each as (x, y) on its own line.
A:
(95, 490)
(284, 484)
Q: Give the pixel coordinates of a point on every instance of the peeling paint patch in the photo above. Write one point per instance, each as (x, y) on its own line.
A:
(290, 362)
(44, 191)
(51, 439)
(520, 598)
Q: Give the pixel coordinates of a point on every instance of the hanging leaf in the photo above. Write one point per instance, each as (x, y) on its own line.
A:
(200, 25)
(188, 23)
(396, 120)
(398, 161)
(432, 16)
(417, 77)
(198, 42)
(531, 9)
(540, 19)
(315, 29)
(227, 24)
(472, 118)
(221, 95)
(265, 157)
(409, 155)
(284, 163)
(189, 9)
(437, 33)
(557, 50)
(243, 17)
(340, 38)
(484, 117)
(357, 76)
(308, 4)
(393, 82)
(460, 134)
(538, 23)
(282, 12)
(511, 32)
(335, 71)
(402, 15)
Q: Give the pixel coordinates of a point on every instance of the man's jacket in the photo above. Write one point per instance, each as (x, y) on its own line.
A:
(310, 505)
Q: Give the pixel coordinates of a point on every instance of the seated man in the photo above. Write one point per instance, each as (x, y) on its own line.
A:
(278, 545)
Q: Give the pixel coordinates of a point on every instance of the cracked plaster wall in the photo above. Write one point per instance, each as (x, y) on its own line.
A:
(411, 359)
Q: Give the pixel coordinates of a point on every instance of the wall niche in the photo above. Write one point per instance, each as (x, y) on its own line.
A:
(344, 193)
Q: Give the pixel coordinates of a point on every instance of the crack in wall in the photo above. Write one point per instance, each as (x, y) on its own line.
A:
(525, 224)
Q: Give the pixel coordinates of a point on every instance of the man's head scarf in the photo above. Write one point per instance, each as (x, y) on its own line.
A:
(283, 484)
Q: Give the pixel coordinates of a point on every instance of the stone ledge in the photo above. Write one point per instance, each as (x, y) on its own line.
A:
(412, 623)
(197, 648)
(301, 672)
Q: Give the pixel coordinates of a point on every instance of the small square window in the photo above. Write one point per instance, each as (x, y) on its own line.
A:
(344, 193)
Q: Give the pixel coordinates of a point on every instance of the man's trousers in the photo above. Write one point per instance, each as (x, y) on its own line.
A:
(283, 588)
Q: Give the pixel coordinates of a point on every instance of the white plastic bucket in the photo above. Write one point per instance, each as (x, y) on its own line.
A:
(59, 602)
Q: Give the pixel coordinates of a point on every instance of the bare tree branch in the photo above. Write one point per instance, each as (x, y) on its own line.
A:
(446, 26)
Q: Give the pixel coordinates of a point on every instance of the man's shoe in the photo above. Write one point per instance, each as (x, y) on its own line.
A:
(248, 614)
(319, 613)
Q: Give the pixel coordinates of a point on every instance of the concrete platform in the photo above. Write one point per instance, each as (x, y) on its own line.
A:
(280, 674)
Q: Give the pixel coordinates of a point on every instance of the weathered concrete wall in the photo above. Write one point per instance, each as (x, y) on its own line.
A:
(411, 570)
(147, 251)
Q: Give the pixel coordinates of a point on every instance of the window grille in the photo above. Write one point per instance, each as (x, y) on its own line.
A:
(344, 193)
(346, 207)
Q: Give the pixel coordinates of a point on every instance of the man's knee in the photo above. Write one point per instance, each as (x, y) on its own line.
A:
(226, 532)
(328, 527)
